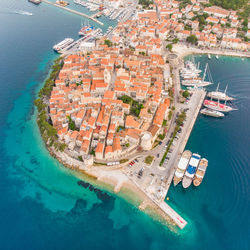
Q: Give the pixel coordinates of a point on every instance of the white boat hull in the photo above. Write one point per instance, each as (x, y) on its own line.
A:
(186, 182)
(194, 84)
(219, 96)
(212, 113)
(218, 108)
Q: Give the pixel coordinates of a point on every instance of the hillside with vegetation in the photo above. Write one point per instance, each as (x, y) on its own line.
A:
(241, 6)
(230, 4)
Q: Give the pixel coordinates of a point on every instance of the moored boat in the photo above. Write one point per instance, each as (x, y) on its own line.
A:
(220, 95)
(63, 44)
(182, 165)
(209, 56)
(191, 169)
(217, 106)
(62, 3)
(35, 1)
(197, 81)
(85, 30)
(210, 112)
(201, 170)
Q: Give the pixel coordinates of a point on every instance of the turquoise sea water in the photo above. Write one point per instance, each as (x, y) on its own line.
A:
(41, 205)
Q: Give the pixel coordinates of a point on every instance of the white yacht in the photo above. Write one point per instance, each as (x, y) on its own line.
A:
(210, 112)
(182, 165)
(220, 95)
(191, 169)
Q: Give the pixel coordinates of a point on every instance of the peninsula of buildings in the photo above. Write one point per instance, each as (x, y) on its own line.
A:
(116, 107)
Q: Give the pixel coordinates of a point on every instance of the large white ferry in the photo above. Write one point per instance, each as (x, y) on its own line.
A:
(191, 169)
(182, 165)
(63, 44)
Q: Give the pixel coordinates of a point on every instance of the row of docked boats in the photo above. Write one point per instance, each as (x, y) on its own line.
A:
(191, 168)
(214, 106)
(92, 6)
(190, 75)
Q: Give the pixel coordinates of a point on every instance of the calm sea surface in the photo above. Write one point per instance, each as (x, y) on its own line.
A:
(41, 205)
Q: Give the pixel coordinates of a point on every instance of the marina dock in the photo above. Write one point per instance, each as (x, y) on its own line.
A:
(74, 12)
(96, 14)
(199, 97)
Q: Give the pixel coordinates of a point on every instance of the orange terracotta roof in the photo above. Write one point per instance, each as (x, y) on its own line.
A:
(131, 122)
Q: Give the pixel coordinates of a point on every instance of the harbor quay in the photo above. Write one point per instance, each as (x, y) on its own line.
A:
(119, 111)
(73, 11)
(199, 96)
(156, 179)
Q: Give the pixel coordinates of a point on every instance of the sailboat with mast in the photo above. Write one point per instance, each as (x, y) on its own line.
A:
(85, 29)
(198, 82)
(220, 95)
(217, 106)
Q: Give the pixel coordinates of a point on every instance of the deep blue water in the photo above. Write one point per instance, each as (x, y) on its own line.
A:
(41, 205)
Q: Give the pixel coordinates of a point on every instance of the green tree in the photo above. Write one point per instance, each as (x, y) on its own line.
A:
(72, 125)
(192, 39)
(187, 27)
(92, 152)
(245, 29)
(185, 94)
(108, 43)
(169, 47)
(175, 40)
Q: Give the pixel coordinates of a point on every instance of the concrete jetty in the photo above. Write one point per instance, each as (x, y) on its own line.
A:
(74, 12)
(178, 220)
(199, 96)
(161, 204)
(96, 14)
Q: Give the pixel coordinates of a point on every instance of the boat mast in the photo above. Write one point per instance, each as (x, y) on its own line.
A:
(205, 73)
(226, 89)
(217, 87)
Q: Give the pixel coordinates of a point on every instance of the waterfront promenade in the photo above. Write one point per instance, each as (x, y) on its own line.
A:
(74, 12)
(183, 50)
(194, 108)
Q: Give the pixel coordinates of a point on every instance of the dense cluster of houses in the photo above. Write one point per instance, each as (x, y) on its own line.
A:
(88, 94)
(87, 106)
(165, 19)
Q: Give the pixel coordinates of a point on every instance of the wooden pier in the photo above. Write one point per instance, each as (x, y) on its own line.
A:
(73, 11)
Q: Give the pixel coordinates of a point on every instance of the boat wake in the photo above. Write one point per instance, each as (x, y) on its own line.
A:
(21, 12)
(18, 12)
